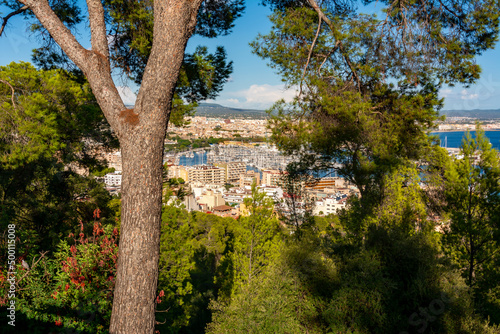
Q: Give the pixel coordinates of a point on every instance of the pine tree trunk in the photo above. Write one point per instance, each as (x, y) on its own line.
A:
(141, 132)
(137, 274)
(141, 143)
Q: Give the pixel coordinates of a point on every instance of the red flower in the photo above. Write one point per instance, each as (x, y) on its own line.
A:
(58, 322)
(97, 229)
(161, 294)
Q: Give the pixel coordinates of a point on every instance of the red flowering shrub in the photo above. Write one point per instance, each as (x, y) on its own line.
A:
(72, 290)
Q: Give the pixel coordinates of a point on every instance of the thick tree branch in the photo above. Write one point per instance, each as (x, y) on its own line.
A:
(94, 64)
(98, 37)
(174, 23)
(59, 32)
(14, 13)
(452, 12)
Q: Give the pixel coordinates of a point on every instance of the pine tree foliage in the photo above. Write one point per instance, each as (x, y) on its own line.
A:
(470, 184)
(368, 83)
(48, 113)
(258, 239)
(50, 125)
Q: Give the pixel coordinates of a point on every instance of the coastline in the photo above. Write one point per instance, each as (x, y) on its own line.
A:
(464, 130)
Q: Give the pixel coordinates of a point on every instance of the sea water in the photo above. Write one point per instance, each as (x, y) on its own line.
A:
(454, 138)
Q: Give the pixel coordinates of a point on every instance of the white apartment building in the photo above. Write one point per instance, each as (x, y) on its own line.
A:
(175, 171)
(248, 178)
(237, 195)
(206, 175)
(233, 170)
(276, 193)
(210, 199)
(272, 177)
(114, 160)
(330, 205)
(113, 179)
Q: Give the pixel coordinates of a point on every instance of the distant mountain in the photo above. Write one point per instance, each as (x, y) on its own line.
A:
(216, 110)
(476, 113)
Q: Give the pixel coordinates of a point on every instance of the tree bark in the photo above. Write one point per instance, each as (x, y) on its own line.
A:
(141, 132)
(137, 274)
(142, 154)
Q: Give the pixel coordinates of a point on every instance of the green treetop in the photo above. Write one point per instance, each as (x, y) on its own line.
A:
(368, 86)
(470, 186)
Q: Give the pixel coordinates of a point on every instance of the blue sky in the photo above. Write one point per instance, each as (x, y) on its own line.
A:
(253, 84)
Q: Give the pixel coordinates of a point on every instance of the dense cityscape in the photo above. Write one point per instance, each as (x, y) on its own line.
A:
(219, 177)
(144, 189)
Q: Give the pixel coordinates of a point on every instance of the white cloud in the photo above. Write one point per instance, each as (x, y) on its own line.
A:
(233, 101)
(466, 95)
(446, 92)
(484, 95)
(127, 95)
(256, 96)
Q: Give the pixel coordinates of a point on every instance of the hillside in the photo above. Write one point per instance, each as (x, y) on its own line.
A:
(482, 114)
(216, 110)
